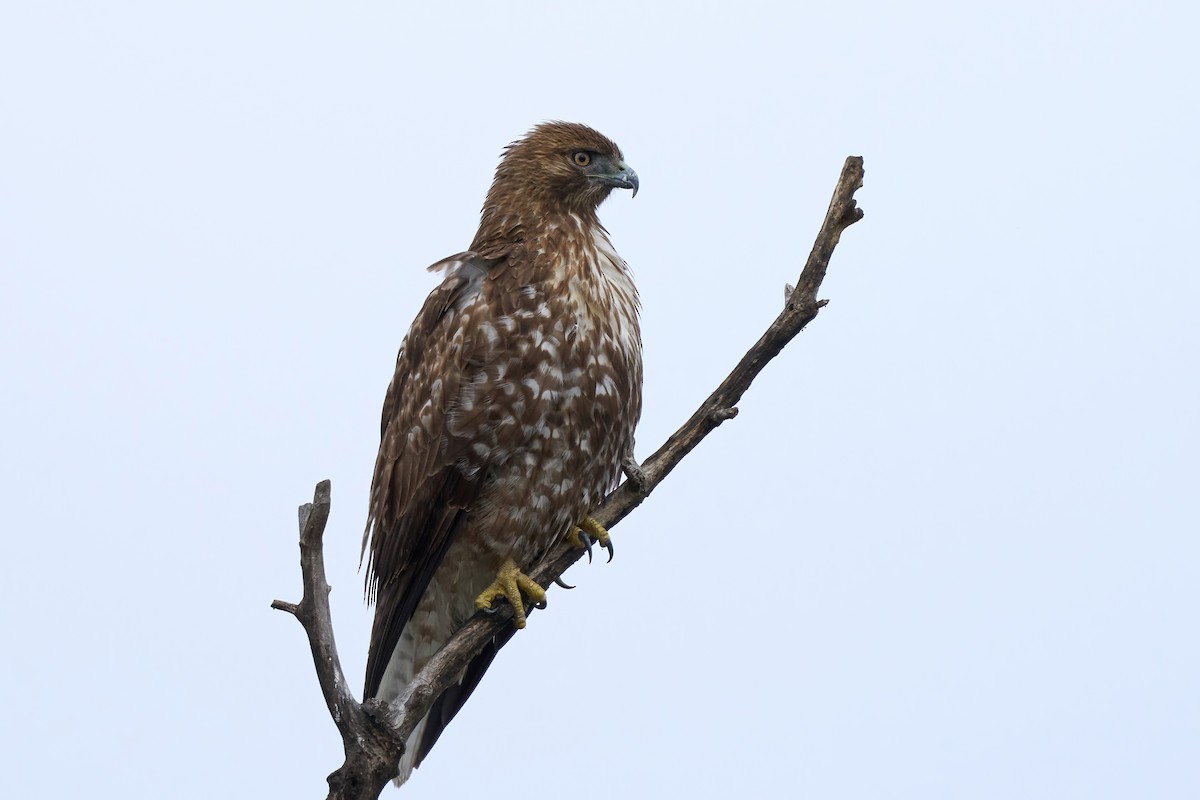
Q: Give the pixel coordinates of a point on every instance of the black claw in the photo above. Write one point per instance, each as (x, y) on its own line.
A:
(587, 542)
(490, 610)
(541, 604)
(608, 546)
(559, 581)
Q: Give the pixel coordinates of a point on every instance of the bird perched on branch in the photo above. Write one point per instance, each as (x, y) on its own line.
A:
(512, 410)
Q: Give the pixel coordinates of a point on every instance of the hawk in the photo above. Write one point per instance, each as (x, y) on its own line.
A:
(510, 415)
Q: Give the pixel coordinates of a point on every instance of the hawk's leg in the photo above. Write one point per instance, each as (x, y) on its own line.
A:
(634, 472)
(588, 531)
(510, 583)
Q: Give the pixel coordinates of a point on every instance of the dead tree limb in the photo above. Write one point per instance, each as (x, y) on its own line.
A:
(373, 733)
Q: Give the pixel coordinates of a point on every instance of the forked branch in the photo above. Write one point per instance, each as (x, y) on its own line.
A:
(374, 733)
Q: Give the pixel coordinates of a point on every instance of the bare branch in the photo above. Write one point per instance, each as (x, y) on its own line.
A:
(313, 610)
(374, 733)
(372, 752)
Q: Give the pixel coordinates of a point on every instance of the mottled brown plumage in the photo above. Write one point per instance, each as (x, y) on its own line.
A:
(515, 396)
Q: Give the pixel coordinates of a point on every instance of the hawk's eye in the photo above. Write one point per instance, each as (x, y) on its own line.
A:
(582, 158)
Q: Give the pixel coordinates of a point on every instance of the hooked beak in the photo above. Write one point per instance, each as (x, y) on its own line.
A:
(622, 177)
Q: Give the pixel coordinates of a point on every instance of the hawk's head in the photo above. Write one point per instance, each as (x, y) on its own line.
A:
(561, 165)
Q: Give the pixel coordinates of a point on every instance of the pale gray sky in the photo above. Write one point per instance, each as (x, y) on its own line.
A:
(948, 549)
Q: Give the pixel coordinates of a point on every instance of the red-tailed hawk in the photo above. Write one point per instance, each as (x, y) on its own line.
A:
(514, 402)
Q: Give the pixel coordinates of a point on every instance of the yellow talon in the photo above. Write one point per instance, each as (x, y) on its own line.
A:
(509, 584)
(590, 527)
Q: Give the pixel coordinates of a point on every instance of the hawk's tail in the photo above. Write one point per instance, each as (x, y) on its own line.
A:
(409, 760)
(399, 674)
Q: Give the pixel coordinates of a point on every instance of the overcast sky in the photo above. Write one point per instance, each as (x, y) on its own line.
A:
(949, 548)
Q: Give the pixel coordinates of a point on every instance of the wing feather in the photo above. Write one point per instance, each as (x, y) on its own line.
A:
(419, 494)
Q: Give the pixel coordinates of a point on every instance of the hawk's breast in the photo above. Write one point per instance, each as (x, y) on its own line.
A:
(555, 406)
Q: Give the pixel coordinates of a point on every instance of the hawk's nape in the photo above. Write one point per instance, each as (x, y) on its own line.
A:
(515, 396)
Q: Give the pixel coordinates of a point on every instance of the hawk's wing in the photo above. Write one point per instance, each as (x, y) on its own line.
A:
(419, 493)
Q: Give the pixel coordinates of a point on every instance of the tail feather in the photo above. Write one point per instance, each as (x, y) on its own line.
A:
(409, 761)
(397, 675)
(452, 700)
(448, 601)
